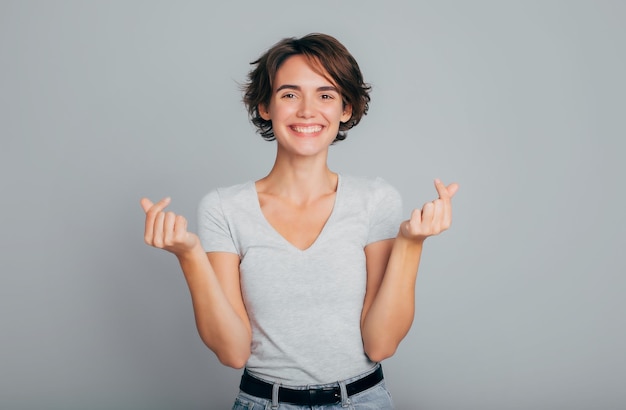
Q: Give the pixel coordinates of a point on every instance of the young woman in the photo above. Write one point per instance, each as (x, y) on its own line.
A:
(306, 277)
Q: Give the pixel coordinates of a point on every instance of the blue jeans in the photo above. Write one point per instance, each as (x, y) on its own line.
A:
(374, 398)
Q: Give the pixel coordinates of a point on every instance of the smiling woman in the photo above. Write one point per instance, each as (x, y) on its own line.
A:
(325, 56)
(306, 110)
(303, 246)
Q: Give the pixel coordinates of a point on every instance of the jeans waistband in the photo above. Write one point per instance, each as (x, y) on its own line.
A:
(311, 396)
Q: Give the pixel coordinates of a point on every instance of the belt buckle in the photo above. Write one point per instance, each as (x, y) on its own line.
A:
(324, 395)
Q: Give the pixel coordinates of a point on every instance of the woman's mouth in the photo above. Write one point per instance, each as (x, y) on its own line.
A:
(309, 129)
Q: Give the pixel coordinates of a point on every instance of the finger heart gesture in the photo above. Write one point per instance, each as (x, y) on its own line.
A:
(166, 230)
(434, 217)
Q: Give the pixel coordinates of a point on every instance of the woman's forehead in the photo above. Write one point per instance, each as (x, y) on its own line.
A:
(300, 66)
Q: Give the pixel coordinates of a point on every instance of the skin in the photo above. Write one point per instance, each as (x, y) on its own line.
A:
(306, 109)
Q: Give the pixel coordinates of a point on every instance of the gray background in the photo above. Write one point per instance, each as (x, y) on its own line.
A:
(519, 306)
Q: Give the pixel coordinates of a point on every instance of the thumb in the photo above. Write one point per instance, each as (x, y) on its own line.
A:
(452, 188)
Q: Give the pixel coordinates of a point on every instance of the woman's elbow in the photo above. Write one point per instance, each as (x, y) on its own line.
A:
(234, 362)
(229, 354)
(380, 353)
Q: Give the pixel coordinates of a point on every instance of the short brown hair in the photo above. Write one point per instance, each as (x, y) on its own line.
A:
(323, 52)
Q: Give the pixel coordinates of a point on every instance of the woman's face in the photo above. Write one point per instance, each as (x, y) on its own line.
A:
(305, 108)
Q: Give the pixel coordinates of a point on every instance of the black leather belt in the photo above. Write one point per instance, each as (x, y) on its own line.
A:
(311, 397)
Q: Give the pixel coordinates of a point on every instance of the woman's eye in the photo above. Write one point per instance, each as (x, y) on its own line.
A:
(289, 95)
(327, 97)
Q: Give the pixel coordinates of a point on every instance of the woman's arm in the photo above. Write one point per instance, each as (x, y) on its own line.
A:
(392, 265)
(213, 281)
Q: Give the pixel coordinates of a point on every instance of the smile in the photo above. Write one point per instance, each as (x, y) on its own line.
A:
(307, 130)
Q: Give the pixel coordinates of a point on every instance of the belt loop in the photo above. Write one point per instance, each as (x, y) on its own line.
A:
(275, 388)
(345, 400)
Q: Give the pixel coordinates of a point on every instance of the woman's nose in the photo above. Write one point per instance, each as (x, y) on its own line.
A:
(306, 108)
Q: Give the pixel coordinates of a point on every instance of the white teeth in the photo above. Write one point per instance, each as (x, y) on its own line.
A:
(305, 130)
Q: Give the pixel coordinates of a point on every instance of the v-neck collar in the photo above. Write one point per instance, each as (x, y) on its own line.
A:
(322, 233)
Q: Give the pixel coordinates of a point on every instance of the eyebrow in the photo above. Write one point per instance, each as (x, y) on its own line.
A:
(298, 88)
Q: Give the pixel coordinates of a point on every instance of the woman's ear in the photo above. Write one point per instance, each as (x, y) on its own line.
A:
(263, 112)
(347, 113)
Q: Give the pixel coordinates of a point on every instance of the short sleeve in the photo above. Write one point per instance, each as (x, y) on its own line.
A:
(385, 211)
(213, 227)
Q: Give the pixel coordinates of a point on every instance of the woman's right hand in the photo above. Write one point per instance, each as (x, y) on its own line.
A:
(166, 230)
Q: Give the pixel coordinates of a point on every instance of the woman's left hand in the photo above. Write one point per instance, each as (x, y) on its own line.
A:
(434, 217)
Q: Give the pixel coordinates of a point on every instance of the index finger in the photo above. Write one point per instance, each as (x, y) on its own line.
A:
(146, 204)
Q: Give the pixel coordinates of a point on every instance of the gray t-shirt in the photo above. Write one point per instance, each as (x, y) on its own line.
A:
(304, 305)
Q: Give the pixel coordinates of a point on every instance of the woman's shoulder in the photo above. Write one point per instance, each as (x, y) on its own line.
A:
(374, 198)
(371, 185)
(228, 194)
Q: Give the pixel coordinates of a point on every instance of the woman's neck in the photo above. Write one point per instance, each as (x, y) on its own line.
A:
(299, 179)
